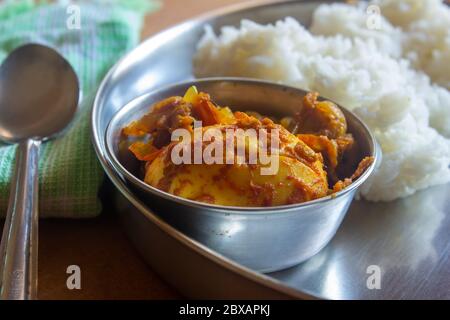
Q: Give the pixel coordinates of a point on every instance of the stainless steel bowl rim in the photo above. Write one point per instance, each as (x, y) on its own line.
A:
(115, 163)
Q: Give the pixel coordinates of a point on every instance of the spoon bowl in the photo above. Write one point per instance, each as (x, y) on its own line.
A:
(38, 94)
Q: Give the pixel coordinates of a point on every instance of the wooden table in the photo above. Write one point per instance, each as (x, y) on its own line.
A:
(110, 267)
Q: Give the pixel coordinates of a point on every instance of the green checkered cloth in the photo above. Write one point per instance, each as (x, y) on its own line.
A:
(92, 36)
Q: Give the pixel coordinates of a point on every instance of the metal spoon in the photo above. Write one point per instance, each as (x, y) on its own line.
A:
(39, 94)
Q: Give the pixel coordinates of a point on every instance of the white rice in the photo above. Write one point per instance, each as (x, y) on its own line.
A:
(395, 77)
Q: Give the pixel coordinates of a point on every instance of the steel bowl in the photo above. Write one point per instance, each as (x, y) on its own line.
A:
(262, 238)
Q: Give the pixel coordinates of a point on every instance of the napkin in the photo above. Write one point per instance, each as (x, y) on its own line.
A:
(92, 36)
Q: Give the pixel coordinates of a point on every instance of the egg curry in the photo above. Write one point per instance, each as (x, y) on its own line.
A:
(311, 149)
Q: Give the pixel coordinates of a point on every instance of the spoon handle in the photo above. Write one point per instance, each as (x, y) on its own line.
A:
(18, 250)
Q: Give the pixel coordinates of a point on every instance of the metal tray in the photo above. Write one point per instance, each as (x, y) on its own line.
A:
(407, 241)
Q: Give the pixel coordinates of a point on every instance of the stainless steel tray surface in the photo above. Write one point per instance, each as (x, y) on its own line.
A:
(396, 250)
